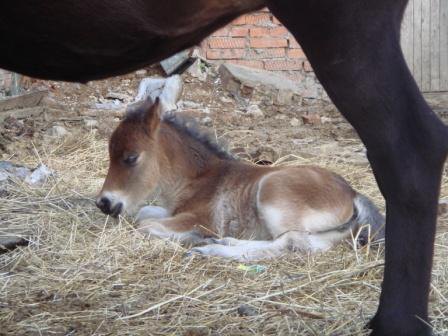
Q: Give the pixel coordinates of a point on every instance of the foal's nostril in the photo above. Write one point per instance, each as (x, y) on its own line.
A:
(108, 208)
(104, 204)
(116, 210)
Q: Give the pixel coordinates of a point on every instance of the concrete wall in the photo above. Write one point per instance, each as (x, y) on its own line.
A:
(5, 82)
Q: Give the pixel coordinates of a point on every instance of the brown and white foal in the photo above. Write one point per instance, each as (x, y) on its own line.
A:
(238, 209)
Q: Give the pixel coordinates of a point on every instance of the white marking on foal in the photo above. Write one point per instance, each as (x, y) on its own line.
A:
(228, 241)
(116, 196)
(273, 216)
(246, 251)
(316, 221)
(318, 243)
(151, 211)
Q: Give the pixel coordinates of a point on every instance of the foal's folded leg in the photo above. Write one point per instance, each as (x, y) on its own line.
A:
(246, 250)
(228, 241)
(252, 250)
(182, 228)
(151, 211)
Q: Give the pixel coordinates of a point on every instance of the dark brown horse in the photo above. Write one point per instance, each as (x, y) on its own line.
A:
(353, 46)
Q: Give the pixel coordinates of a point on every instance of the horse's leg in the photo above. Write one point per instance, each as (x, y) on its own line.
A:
(245, 250)
(228, 241)
(354, 49)
(151, 211)
(182, 227)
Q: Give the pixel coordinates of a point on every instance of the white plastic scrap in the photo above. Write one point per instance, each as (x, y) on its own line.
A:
(11, 170)
(39, 175)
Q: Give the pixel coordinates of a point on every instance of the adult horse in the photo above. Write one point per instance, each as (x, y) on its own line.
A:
(353, 46)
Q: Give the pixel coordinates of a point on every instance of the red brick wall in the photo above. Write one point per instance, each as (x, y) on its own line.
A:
(257, 40)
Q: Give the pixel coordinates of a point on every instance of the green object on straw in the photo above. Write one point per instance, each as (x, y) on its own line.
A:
(252, 268)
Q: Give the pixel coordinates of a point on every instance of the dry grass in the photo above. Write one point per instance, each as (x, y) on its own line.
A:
(85, 274)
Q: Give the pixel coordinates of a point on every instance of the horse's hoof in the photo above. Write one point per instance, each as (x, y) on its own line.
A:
(193, 252)
(381, 330)
(212, 241)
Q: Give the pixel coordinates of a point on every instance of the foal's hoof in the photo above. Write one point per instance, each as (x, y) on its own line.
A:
(194, 251)
(210, 240)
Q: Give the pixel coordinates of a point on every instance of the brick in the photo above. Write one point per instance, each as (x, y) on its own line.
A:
(239, 32)
(265, 32)
(267, 53)
(202, 50)
(226, 43)
(279, 31)
(307, 66)
(296, 53)
(268, 42)
(222, 32)
(248, 63)
(293, 43)
(221, 54)
(239, 21)
(261, 19)
(273, 65)
(259, 32)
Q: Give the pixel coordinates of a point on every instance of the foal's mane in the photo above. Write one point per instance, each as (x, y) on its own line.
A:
(186, 127)
(189, 127)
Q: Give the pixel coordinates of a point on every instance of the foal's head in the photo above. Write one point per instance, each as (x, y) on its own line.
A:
(133, 171)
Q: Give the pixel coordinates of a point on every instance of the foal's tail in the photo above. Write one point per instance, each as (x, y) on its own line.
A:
(368, 214)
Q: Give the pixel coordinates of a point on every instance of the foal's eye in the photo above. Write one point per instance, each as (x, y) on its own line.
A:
(131, 160)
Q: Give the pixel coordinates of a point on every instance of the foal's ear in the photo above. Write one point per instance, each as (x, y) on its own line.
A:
(154, 114)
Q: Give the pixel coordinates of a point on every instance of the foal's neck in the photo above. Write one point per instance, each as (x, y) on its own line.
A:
(190, 154)
(183, 160)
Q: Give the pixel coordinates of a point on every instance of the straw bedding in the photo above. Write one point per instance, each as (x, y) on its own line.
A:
(86, 274)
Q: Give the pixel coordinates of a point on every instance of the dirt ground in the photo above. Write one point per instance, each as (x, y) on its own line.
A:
(84, 273)
(280, 130)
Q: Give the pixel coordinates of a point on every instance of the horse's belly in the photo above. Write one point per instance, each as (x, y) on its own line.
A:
(233, 217)
(85, 40)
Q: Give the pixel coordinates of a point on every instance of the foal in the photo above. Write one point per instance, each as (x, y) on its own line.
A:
(207, 193)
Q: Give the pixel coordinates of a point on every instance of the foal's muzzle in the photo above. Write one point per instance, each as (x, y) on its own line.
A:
(106, 206)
